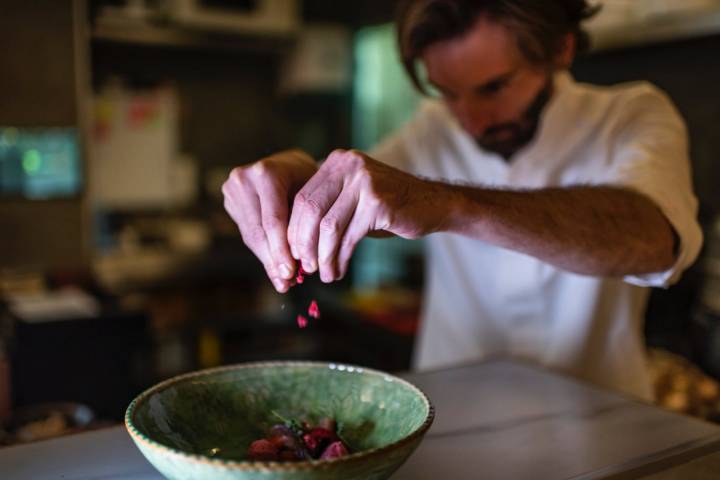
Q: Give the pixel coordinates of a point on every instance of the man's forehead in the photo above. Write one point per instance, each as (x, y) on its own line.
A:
(489, 50)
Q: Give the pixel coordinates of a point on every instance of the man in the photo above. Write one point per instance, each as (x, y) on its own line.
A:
(551, 203)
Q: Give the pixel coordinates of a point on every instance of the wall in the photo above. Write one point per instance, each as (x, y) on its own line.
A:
(41, 66)
(689, 71)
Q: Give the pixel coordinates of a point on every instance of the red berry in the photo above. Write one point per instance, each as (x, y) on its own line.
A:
(323, 434)
(317, 439)
(312, 444)
(263, 450)
(334, 450)
(302, 321)
(284, 441)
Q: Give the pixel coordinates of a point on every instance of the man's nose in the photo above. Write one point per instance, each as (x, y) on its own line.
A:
(475, 121)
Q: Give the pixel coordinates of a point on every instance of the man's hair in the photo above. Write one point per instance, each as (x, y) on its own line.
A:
(539, 26)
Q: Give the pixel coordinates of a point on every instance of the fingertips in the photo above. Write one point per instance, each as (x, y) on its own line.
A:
(286, 272)
(281, 286)
(328, 271)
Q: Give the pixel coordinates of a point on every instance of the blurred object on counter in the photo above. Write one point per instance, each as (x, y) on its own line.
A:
(143, 251)
(49, 420)
(164, 233)
(682, 387)
(55, 305)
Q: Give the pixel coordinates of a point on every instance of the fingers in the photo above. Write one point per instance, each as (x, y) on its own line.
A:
(243, 205)
(274, 219)
(332, 230)
(359, 227)
(310, 206)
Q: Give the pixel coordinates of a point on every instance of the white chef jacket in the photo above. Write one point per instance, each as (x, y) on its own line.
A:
(481, 300)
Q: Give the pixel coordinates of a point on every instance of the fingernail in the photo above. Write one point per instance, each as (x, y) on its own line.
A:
(279, 285)
(309, 266)
(285, 271)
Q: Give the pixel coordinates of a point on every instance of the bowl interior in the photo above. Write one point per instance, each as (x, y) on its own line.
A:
(220, 412)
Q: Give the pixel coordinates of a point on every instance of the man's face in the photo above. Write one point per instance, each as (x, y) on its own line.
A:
(493, 91)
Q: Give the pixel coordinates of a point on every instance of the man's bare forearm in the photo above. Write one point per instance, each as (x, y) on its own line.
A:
(600, 231)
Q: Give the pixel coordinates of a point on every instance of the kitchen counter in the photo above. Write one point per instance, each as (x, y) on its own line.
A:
(495, 420)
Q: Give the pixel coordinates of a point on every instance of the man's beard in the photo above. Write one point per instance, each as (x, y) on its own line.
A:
(517, 134)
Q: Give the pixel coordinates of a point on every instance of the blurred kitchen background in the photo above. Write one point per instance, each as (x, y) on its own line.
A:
(119, 121)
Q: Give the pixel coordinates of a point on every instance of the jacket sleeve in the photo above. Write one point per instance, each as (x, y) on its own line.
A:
(650, 156)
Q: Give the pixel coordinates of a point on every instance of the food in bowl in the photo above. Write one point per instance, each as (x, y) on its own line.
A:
(296, 441)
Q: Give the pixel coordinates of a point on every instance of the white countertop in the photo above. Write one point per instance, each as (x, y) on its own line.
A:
(497, 420)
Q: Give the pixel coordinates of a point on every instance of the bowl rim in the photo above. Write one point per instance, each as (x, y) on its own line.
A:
(264, 466)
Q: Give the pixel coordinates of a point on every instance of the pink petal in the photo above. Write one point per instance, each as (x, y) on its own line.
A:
(334, 450)
(300, 277)
(313, 310)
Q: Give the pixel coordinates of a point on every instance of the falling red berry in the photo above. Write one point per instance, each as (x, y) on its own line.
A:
(313, 310)
(300, 277)
(302, 321)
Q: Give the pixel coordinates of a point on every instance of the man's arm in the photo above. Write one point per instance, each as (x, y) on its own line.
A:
(599, 231)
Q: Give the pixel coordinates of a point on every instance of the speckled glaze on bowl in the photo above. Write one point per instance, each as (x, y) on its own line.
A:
(199, 425)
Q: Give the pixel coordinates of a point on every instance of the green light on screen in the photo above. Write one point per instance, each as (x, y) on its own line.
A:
(31, 162)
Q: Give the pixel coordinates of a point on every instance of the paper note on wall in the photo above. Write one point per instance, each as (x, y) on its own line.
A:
(133, 145)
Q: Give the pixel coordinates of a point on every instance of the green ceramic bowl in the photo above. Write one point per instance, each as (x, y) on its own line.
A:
(199, 425)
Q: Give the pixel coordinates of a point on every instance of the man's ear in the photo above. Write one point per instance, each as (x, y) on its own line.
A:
(565, 56)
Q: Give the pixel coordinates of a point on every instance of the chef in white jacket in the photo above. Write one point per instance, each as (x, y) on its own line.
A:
(549, 205)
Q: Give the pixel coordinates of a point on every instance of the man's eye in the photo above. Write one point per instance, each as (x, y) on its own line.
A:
(493, 88)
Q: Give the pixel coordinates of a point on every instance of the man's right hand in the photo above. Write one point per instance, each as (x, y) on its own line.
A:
(257, 198)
